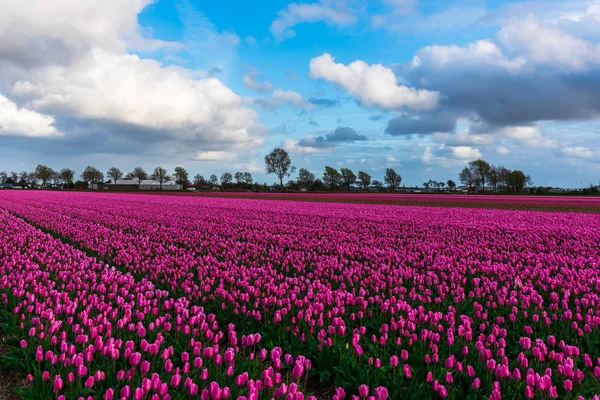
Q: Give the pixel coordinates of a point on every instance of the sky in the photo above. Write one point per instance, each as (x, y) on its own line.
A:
(420, 86)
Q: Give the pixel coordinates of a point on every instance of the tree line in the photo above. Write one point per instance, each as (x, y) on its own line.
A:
(477, 175)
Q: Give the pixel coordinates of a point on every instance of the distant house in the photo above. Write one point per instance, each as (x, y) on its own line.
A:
(6, 186)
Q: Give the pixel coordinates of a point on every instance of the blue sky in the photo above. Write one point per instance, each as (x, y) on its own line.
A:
(421, 86)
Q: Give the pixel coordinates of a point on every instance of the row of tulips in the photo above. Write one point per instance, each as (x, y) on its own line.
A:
(375, 301)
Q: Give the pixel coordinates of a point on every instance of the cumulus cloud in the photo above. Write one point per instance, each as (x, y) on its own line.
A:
(529, 72)
(420, 124)
(373, 85)
(544, 44)
(69, 62)
(332, 13)
(15, 121)
(466, 153)
(215, 156)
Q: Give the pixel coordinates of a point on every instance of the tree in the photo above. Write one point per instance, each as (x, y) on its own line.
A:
(214, 180)
(332, 178)
(160, 174)
(426, 185)
(115, 174)
(348, 177)
(43, 173)
(392, 179)
(199, 180)
(139, 175)
(239, 177)
(67, 175)
(306, 179)
(92, 175)
(377, 184)
(24, 178)
(467, 177)
(248, 178)
(480, 170)
(451, 185)
(56, 178)
(14, 176)
(226, 179)
(181, 176)
(3, 177)
(364, 180)
(503, 177)
(278, 162)
(518, 180)
(493, 178)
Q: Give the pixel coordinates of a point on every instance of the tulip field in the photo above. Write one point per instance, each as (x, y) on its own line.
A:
(131, 296)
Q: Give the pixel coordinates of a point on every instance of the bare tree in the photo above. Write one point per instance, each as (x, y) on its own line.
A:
(160, 174)
(115, 174)
(92, 175)
(138, 174)
(67, 175)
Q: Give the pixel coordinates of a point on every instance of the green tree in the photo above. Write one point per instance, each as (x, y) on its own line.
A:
(306, 179)
(518, 180)
(467, 177)
(278, 162)
(480, 170)
(364, 180)
(348, 177)
(332, 178)
(199, 180)
(392, 179)
(43, 173)
(451, 185)
(181, 176)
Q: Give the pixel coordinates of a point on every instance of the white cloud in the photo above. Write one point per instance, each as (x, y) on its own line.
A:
(529, 136)
(127, 89)
(466, 153)
(373, 85)
(15, 121)
(215, 156)
(294, 14)
(69, 60)
(39, 30)
(252, 84)
(576, 152)
(545, 44)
